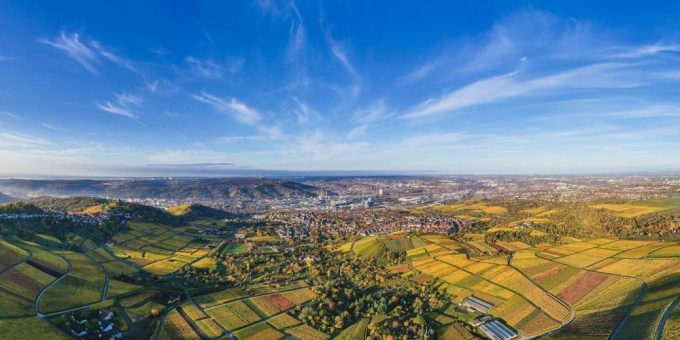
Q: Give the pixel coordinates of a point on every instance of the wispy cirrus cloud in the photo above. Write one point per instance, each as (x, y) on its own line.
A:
(237, 139)
(234, 107)
(12, 140)
(210, 69)
(117, 110)
(341, 52)
(88, 54)
(124, 105)
(516, 84)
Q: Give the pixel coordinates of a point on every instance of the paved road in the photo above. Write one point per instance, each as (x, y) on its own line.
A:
(42, 291)
(666, 315)
(106, 276)
(622, 322)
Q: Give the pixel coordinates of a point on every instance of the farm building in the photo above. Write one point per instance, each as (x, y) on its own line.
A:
(477, 304)
(496, 330)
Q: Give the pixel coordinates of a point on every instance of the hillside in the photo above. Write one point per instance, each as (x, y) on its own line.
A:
(18, 207)
(657, 218)
(5, 198)
(190, 211)
(203, 189)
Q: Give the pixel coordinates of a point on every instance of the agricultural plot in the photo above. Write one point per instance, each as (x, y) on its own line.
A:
(192, 311)
(454, 331)
(416, 253)
(164, 267)
(305, 332)
(210, 328)
(84, 285)
(234, 248)
(44, 260)
(19, 287)
(515, 298)
(283, 320)
(652, 271)
(643, 251)
(368, 247)
(356, 331)
(10, 255)
(175, 327)
(601, 298)
(116, 268)
(644, 319)
(587, 257)
(272, 304)
(205, 263)
(668, 251)
(346, 247)
(223, 296)
(260, 330)
(116, 288)
(30, 328)
(513, 246)
(233, 315)
(627, 210)
(397, 243)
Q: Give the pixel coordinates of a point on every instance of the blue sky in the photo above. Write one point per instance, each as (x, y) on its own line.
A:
(207, 87)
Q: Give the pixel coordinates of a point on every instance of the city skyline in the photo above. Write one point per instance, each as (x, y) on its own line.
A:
(209, 88)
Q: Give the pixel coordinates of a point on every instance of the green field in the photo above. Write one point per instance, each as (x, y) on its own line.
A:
(30, 328)
(84, 285)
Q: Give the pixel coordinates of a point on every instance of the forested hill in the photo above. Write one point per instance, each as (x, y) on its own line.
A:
(92, 205)
(197, 189)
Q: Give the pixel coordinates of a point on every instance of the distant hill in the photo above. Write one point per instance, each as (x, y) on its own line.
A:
(192, 211)
(17, 207)
(68, 204)
(195, 189)
(5, 198)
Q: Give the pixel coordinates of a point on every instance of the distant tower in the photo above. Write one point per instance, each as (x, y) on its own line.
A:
(380, 192)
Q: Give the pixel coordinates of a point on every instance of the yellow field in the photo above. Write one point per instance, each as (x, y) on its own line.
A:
(670, 251)
(627, 210)
(588, 257)
(473, 207)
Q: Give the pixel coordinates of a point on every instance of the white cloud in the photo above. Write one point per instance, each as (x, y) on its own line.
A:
(420, 73)
(512, 85)
(116, 109)
(124, 105)
(240, 111)
(210, 69)
(184, 156)
(128, 98)
(11, 140)
(74, 48)
(340, 51)
(87, 54)
(52, 127)
(643, 51)
(236, 139)
(9, 114)
(373, 113)
(357, 131)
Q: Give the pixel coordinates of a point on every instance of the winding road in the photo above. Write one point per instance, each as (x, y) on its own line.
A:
(42, 291)
(666, 315)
